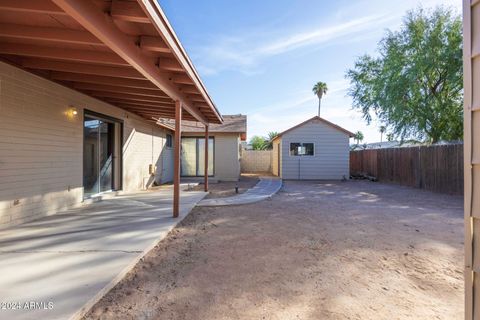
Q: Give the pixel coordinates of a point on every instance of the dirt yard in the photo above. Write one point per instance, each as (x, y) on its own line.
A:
(352, 250)
(226, 188)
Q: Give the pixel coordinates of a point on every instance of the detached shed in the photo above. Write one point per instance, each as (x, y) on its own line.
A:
(315, 149)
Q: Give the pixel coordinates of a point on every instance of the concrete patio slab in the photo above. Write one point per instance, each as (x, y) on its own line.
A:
(265, 188)
(67, 261)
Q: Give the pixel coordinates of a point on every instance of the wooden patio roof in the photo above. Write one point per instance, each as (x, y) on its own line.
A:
(123, 52)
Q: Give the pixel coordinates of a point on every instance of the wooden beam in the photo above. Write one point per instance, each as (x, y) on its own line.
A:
(177, 154)
(93, 19)
(154, 44)
(128, 11)
(196, 98)
(33, 6)
(62, 54)
(118, 72)
(169, 65)
(188, 89)
(149, 113)
(109, 88)
(139, 103)
(48, 34)
(127, 83)
(206, 160)
(181, 78)
(132, 97)
(163, 109)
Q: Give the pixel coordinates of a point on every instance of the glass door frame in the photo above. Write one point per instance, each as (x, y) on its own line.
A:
(117, 154)
(197, 154)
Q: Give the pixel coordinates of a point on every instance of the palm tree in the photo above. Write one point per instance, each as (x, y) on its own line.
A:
(382, 131)
(358, 136)
(269, 139)
(320, 88)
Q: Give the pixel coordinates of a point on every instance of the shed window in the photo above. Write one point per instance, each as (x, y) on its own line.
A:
(169, 142)
(301, 149)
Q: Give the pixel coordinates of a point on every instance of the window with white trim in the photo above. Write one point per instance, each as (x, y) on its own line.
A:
(302, 149)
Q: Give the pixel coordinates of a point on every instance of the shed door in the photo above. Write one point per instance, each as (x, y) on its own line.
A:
(471, 31)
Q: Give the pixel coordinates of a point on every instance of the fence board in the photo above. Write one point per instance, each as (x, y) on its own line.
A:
(436, 168)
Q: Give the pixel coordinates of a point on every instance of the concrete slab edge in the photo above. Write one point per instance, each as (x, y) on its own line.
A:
(90, 303)
(256, 199)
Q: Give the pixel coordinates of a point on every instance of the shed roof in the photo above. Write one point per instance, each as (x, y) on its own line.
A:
(331, 124)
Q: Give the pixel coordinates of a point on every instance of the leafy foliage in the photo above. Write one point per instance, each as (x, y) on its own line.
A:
(263, 143)
(269, 138)
(415, 85)
(358, 136)
(258, 143)
(320, 88)
(382, 130)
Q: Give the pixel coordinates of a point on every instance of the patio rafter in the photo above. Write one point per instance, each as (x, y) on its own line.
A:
(93, 19)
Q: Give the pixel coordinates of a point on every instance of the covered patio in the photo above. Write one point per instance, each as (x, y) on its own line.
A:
(68, 261)
(122, 52)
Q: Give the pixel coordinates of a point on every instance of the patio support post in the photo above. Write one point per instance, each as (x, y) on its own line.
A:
(206, 159)
(177, 152)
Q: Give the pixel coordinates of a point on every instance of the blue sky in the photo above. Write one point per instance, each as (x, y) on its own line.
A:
(261, 58)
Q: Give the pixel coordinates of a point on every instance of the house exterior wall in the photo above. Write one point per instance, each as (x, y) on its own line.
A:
(227, 155)
(331, 153)
(41, 148)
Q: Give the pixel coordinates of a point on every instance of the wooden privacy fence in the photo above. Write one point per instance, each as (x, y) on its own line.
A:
(436, 168)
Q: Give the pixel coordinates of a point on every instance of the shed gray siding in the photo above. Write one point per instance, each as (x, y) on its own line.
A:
(331, 154)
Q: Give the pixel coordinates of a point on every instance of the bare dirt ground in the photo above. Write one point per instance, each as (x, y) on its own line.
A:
(317, 250)
(227, 188)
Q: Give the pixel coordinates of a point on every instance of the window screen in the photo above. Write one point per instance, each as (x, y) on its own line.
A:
(301, 149)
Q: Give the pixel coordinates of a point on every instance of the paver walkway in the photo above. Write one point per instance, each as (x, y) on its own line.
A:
(73, 258)
(264, 189)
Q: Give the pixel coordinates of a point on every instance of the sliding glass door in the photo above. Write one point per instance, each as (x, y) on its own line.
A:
(98, 155)
(193, 157)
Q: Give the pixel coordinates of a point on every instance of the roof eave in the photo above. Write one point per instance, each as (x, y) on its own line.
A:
(159, 20)
(350, 134)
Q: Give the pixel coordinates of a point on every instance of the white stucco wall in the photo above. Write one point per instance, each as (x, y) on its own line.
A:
(227, 157)
(331, 159)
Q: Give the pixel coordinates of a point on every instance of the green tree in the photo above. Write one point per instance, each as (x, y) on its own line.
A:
(320, 88)
(415, 84)
(382, 130)
(358, 136)
(389, 137)
(269, 140)
(258, 143)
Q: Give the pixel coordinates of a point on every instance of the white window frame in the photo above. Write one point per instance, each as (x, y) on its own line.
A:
(301, 155)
